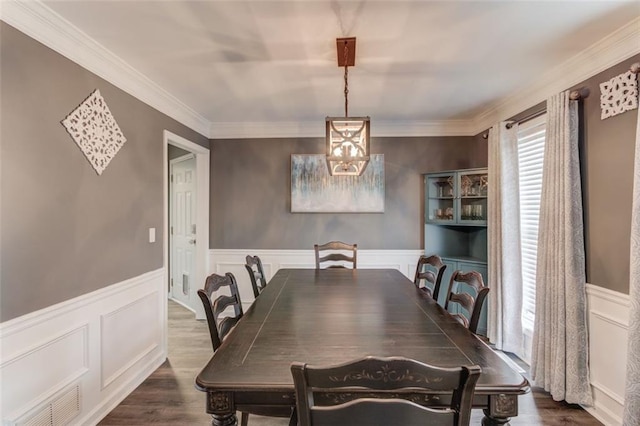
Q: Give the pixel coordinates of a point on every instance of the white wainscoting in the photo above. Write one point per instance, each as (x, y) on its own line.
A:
(95, 349)
(608, 332)
(233, 261)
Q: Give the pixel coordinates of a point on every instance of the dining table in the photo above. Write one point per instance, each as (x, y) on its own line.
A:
(331, 316)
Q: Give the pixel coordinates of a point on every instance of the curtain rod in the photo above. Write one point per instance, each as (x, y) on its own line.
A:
(575, 95)
(635, 67)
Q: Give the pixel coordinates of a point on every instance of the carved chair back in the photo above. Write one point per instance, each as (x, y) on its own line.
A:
(377, 391)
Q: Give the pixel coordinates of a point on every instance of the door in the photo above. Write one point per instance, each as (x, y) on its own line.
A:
(182, 230)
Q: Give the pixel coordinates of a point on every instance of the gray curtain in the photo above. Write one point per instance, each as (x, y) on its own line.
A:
(505, 266)
(632, 392)
(560, 350)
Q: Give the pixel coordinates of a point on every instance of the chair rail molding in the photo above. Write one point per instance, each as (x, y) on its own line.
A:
(79, 335)
(608, 319)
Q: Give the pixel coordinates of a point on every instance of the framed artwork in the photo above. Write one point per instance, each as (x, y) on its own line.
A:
(313, 190)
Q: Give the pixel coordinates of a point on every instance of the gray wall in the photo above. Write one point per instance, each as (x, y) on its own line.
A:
(65, 230)
(608, 151)
(251, 193)
(175, 152)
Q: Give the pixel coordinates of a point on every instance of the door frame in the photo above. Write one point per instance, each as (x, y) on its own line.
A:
(202, 210)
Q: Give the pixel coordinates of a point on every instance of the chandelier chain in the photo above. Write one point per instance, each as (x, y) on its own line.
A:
(346, 81)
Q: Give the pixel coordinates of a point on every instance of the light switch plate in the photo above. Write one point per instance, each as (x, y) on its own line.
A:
(152, 235)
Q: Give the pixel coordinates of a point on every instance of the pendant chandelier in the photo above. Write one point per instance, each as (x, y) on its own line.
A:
(347, 137)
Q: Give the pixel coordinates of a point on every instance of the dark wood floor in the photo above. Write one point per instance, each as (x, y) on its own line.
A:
(168, 396)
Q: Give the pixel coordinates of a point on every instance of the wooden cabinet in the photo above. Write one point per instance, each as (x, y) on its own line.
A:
(456, 224)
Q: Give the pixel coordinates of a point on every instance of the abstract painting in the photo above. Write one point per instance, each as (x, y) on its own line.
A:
(313, 190)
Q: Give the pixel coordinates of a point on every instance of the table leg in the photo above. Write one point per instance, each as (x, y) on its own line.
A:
(222, 409)
(501, 408)
(224, 420)
(490, 420)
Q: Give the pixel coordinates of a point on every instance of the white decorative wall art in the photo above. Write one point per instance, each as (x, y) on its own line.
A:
(93, 128)
(618, 95)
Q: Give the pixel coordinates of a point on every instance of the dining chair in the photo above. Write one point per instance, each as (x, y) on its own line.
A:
(256, 274)
(337, 254)
(220, 326)
(430, 270)
(459, 282)
(371, 391)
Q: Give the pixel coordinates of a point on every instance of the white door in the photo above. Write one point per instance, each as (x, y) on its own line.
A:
(182, 230)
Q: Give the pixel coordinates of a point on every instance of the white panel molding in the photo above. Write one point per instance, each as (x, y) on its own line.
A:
(70, 335)
(606, 409)
(608, 314)
(70, 348)
(141, 311)
(233, 260)
(41, 23)
(608, 318)
(32, 319)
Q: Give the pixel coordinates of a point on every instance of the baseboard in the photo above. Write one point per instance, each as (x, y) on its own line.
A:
(608, 318)
(78, 336)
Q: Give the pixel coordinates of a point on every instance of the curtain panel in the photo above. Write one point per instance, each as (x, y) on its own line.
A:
(632, 391)
(505, 267)
(560, 338)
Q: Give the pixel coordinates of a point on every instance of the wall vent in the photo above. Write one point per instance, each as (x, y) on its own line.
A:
(58, 411)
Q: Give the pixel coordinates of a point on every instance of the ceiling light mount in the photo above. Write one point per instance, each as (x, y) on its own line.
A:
(347, 138)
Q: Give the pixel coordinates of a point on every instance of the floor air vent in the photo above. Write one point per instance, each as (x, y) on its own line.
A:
(57, 412)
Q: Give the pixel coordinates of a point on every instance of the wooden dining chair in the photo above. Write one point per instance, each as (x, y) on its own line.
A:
(472, 305)
(369, 391)
(256, 274)
(430, 270)
(219, 328)
(337, 254)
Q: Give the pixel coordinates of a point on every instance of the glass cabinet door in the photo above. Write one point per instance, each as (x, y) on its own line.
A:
(472, 197)
(441, 194)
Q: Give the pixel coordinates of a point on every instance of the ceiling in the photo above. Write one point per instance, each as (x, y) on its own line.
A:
(256, 64)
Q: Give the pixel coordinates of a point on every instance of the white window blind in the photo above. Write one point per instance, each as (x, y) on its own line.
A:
(531, 139)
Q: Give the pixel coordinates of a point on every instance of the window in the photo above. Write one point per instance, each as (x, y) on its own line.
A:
(531, 139)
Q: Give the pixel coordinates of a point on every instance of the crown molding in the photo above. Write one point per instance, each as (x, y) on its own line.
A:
(266, 130)
(316, 129)
(38, 21)
(607, 52)
(422, 128)
(41, 23)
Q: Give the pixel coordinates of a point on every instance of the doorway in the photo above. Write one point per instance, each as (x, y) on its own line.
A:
(192, 163)
(182, 226)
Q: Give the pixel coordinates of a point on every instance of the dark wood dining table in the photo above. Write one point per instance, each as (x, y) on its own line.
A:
(332, 316)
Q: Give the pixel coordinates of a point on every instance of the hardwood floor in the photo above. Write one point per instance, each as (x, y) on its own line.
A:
(168, 396)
